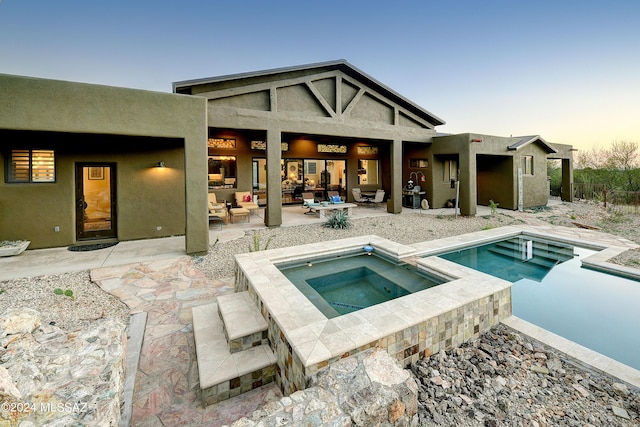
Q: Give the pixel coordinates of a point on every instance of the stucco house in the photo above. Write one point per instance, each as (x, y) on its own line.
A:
(330, 126)
(82, 162)
(79, 162)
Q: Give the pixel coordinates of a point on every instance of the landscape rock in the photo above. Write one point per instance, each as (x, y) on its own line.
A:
(368, 389)
(8, 390)
(620, 389)
(18, 321)
(55, 378)
(501, 382)
(620, 412)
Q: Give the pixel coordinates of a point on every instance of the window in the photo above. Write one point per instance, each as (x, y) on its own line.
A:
(450, 170)
(368, 172)
(418, 163)
(527, 165)
(31, 166)
(222, 172)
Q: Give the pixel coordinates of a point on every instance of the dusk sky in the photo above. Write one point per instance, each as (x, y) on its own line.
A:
(566, 70)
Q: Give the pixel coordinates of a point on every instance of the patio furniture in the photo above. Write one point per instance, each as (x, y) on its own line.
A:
(308, 201)
(244, 199)
(239, 212)
(217, 210)
(324, 211)
(378, 198)
(360, 200)
(334, 197)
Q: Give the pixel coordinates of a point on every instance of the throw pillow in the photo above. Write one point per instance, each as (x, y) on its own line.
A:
(309, 202)
(246, 198)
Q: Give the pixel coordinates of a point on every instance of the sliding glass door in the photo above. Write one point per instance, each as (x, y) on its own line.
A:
(302, 175)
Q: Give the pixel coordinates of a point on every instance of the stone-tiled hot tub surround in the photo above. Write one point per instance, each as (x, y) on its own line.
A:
(408, 328)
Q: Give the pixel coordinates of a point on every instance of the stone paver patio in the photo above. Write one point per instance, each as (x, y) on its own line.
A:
(167, 389)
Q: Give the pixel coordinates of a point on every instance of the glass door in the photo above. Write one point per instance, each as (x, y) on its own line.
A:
(336, 177)
(259, 180)
(315, 177)
(292, 183)
(303, 175)
(95, 201)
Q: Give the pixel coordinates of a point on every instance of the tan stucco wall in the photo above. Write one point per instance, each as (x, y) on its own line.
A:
(452, 147)
(481, 179)
(417, 151)
(494, 181)
(147, 197)
(535, 188)
(101, 112)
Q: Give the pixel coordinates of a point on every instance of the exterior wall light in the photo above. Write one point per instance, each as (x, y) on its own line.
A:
(160, 164)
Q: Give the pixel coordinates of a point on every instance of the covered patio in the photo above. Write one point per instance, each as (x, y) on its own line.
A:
(293, 215)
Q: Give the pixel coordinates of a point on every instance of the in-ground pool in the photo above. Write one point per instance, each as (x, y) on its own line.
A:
(349, 282)
(553, 291)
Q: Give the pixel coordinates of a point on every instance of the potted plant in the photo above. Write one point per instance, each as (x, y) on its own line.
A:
(13, 247)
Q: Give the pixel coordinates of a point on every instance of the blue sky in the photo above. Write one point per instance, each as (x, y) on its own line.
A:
(567, 70)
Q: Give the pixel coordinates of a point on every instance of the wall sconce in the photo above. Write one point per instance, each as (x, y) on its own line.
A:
(160, 164)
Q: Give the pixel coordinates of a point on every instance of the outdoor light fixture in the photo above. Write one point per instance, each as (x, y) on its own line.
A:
(160, 164)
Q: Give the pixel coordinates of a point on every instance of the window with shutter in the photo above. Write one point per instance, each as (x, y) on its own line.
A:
(31, 166)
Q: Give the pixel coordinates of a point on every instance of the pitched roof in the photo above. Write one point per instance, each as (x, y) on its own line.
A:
(526, 140)
(339, 64)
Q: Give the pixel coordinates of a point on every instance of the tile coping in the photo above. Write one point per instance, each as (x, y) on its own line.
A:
(315, 338)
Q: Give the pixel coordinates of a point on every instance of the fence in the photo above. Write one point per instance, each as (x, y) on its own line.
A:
(584, 191)
(614, 200)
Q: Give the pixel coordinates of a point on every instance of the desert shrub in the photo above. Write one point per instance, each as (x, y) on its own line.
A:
(338, 220)
(256, 244)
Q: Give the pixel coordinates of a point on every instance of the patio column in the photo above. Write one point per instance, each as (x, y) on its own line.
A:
(273, 212)
(468, 197)
(567, 180)
(394, 202)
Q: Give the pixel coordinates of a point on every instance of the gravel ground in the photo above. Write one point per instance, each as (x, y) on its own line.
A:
(406, 229)
(88, 302)
(613, 220)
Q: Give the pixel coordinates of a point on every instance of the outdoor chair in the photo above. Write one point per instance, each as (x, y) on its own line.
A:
(334, 197)
(308, 201)
(378, 198)
(216, 209)
(359, 199)
(244, 199)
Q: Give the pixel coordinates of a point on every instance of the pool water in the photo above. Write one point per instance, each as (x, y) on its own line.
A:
(343, 284)
(514, 259)
(594, 309)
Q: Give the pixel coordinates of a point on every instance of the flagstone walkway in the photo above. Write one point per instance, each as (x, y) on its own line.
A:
(167, 390)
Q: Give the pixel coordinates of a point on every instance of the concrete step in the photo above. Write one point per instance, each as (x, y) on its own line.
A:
(244, 325)
(554, 252)
(224, 374)
(538, 260)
